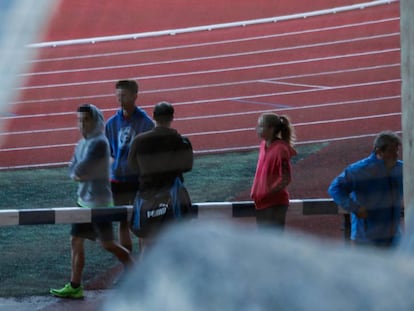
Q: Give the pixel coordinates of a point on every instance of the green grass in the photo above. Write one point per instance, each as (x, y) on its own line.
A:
(35, 258)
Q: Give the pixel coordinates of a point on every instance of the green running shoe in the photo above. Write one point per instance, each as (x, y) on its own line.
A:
(68, 292)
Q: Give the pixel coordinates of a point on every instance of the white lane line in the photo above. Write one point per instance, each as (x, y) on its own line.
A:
(221, 70)
(321, 87)
(213, 57)
(232, 114)
(237, 130)
(217, 150)
(211, 85)
(207, 101)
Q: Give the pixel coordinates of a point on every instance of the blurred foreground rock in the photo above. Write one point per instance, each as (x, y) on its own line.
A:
(220, 266)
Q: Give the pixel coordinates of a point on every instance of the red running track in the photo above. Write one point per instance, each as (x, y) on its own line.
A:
(337, 76)
(86, 18)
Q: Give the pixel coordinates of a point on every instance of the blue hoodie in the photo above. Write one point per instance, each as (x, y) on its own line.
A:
(367, 183)
(120, 133)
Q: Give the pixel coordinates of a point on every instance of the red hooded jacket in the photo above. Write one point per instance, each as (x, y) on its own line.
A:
(273, 163)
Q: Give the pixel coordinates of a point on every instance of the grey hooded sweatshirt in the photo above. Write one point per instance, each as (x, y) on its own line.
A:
(90, 166)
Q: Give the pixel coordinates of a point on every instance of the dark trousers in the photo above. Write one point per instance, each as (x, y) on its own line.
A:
(347, 227)
(272, 217)
(124, 192)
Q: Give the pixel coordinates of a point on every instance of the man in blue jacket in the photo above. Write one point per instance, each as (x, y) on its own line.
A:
(372, 191)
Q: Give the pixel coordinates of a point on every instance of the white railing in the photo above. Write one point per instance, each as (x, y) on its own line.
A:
(171, 32)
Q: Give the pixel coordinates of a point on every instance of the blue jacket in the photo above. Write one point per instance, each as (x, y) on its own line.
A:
(120, 133)
(367, 183)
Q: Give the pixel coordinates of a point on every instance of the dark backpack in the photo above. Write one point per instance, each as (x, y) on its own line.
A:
(153, 210)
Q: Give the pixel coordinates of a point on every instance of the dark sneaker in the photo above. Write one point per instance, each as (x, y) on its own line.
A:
(68, 292)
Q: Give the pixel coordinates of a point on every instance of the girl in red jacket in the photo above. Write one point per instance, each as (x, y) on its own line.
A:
(273, 172)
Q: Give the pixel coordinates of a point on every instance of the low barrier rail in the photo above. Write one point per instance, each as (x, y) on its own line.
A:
(68, 215)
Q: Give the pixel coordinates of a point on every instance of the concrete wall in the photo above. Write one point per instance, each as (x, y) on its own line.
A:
(407, 100)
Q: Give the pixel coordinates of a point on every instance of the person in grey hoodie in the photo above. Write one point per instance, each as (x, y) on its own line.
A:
(90, 167)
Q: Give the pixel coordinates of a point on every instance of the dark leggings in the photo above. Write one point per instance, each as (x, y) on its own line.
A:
(272, 217)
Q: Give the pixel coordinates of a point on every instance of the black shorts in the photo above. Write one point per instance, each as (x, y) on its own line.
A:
(124, 192)
(92, 231)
